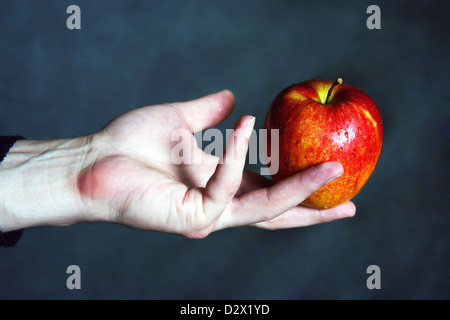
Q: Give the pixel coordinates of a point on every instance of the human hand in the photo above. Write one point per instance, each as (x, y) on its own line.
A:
(125, 174)
(131, 177)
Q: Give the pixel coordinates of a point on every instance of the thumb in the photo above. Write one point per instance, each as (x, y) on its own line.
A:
(207, 111)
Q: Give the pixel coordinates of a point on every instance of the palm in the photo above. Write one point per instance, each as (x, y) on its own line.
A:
(147, 135)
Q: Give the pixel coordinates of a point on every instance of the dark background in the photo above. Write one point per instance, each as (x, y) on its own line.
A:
(57, 83)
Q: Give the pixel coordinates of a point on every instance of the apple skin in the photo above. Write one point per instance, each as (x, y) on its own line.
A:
(347, 129)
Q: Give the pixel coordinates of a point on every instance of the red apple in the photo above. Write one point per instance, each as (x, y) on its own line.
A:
(321, 121)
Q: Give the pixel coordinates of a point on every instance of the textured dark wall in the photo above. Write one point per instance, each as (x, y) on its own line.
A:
(57, 83)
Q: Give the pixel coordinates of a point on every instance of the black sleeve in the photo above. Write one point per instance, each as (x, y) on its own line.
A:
(8, 239)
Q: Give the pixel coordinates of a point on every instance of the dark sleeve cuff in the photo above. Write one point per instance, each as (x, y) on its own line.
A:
(6, 142)
(9, 239)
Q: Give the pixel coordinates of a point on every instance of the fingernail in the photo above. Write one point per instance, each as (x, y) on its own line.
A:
(335, 177)
(332, 179)
(249, 127)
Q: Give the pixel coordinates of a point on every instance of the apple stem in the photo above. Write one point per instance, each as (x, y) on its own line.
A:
(338, 81)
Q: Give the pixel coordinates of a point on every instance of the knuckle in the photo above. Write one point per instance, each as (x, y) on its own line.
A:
(230, 188)
(308, 185)
(200, 233)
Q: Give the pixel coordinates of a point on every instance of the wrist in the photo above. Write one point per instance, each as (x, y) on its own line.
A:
(39, 183)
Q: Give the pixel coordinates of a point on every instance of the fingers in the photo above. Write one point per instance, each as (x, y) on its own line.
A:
(301, 216)
(224, 183)
(270, 202)
(207, 111)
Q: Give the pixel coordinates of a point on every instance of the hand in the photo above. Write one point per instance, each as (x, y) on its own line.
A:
(126, 174)
(134, 181)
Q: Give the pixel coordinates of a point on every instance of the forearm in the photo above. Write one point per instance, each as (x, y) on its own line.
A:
(38, 183)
